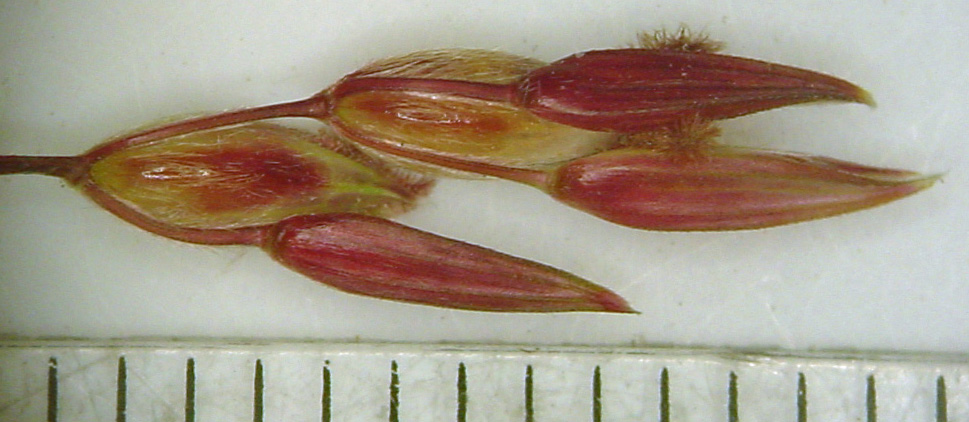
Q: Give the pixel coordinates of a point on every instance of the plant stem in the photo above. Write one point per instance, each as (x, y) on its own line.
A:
(67, 168)
(316, 107)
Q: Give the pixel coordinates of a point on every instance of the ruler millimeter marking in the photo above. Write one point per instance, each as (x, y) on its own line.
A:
(52, 390)
(330, 382)
(122, 396)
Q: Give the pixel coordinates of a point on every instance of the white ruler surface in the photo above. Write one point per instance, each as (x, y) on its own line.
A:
(193, 381)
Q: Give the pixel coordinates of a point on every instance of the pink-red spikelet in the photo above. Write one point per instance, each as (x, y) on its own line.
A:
(633, 90)
(725, 188)
(379, 258)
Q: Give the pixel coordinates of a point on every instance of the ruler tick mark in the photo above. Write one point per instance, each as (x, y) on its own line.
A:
(801, 397)
(258, 389)
(190, 390)
(941, 405)
(733, 412)
(394, 392)
(52, 390)
(122, 397)
(462, 415)
(871, 400)
(529, 395)
(326, 398)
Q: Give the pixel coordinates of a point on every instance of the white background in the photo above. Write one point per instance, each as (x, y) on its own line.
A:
(73, 73)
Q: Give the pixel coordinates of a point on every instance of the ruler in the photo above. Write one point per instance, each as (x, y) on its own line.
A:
(288, 381)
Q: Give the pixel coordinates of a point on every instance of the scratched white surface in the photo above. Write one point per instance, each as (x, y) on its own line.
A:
(894, 278)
